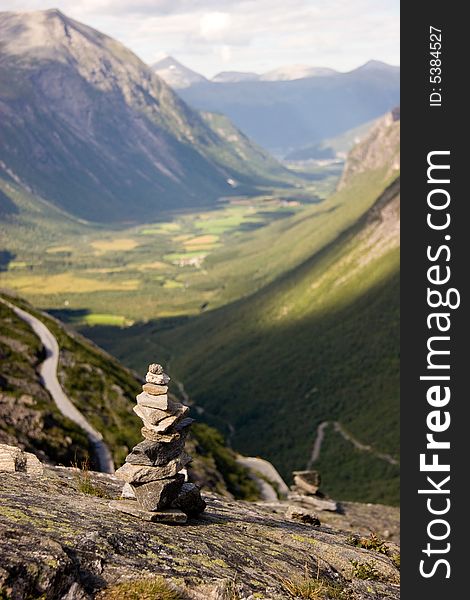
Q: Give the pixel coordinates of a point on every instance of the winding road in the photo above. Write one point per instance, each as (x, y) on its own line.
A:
(48, 373)
(349, 438)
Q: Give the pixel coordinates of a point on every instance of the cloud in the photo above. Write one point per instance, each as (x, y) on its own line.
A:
(214, 25)
(249, 35)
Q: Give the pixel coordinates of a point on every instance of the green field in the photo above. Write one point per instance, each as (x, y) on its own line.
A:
(168, 268)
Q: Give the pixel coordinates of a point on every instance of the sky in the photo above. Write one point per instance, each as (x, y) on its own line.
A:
(210, 36)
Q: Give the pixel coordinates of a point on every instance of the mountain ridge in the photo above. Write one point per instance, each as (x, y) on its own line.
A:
(285, 115)
(80, 112)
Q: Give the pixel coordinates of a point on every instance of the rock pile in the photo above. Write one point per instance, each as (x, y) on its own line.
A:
(306, 491)
(152, 470)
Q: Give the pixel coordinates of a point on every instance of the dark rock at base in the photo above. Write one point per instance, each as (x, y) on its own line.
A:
(158, 495)
(189, 500)
(304, 516)
(130, 507)
(182, 426)
(155, 454)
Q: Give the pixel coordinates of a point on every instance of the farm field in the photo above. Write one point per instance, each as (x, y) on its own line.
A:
(179, 265)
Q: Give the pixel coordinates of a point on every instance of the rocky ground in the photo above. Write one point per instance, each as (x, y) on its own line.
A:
(59, 539)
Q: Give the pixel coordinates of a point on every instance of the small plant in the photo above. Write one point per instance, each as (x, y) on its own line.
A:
(365, 571)
(154, 588)
(395, 558)
(373, 542)
(84, 482)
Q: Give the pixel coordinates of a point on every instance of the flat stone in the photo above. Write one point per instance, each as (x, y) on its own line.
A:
(189, 500)
(161, 402)
(155, 390)
(141, 474)
(165, 418)
(308, 481)
(162, 379)
(164, 425)
(33, 465)
(148, 434)
(302, 515)
(158, 495)
(155, 454)
(156, 369)
(316, 502)
(130, 507)
(127, 492)
(151, 415)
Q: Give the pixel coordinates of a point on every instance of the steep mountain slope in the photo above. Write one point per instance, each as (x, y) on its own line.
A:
(98, 385)
(285, 115)
(88, 126)
(104, 391)
(318, 343)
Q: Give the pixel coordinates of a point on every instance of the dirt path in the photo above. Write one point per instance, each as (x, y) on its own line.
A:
(48, 372)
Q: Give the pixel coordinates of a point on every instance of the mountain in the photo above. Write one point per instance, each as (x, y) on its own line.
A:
(336, 147)
(317, 343)
(175, 74)
(292, 72)
(234, 77)
(290, 109)
(104, 391)
(90, 128)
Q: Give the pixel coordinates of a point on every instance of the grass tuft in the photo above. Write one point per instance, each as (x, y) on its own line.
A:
(84, 483)
(154, 588)
(313, 588)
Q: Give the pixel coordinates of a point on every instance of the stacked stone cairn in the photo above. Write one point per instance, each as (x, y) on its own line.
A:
(152, 471)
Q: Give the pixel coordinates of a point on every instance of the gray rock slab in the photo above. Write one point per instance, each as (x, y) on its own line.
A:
(141, 474)
(165, 424)
(316, 502)
(155, 454)
(148, 434)
(154, 415)
(161, 402)
(13, 459)
(130, 507)
(158, 495)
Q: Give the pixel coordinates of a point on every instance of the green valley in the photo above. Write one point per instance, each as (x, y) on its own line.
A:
(317, 341)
